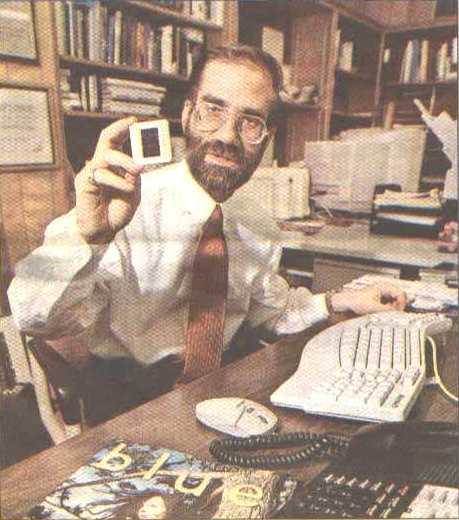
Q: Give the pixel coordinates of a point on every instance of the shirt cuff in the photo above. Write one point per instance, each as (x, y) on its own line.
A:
(316, 311)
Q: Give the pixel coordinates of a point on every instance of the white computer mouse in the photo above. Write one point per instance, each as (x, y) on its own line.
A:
(236, 416)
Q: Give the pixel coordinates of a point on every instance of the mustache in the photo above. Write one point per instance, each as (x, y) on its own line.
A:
(225, 151)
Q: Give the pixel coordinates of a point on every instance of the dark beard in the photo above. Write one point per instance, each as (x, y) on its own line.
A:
(219, 181)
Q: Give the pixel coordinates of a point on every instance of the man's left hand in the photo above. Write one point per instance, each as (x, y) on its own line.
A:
(383, 297)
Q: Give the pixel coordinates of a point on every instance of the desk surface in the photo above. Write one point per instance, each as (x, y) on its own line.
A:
(169, 421)
(357, 242)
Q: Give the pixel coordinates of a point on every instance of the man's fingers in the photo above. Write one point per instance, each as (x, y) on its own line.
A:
(397, 295)
(108, 179)
(380, 307)
(115, 134)
(118, 159)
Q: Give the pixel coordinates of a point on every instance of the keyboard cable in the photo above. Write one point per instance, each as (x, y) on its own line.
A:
(436, 372)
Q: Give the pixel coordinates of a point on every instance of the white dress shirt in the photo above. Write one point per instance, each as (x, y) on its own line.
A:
(130, 297)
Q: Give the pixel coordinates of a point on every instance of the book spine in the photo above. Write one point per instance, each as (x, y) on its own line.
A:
(79, 32)
(59, 14)
(84, 93)
(157, 50)
(126, 107)
(110, 37)
(442, 61)
(117, 37)
(423, 69)
(71, 27)
(103, 33)
(129, 83)
(150, 41)
(408, 62)
(167, 49)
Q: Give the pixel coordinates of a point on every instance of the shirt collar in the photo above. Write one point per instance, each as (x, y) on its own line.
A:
(196, 201)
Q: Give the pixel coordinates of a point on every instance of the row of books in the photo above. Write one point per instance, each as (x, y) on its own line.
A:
(101, 34)
(90, 93)
(417, 58)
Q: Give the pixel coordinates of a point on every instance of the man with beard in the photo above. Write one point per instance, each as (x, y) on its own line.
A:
(157, 273)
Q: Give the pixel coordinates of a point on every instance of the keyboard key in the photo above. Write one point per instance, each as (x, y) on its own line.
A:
(398, 360)
(362, 349)
(385, 361)
(415, 348)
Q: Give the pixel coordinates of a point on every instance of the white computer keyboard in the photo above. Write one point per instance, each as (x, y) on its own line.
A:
(370, 368)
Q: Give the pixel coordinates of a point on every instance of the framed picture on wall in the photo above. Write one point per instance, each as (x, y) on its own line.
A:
(25, 127)
(17, 30)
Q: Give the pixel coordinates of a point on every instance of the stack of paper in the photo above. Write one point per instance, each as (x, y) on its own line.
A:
(422, 295)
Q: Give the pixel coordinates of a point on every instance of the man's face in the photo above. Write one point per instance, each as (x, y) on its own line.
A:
(222, 160)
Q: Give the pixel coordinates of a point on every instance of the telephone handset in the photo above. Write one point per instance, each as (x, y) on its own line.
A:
(396, 444)
(402, 449)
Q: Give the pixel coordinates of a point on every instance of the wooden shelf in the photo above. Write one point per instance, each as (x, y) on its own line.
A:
(396, 84)
(352, 115)
(355, 75)
(352, 15)
(168, 15)
(121, 70)
(79, 114)
(297, 107)
(448, 23)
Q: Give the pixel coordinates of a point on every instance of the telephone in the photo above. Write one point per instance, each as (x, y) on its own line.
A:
(389, 470)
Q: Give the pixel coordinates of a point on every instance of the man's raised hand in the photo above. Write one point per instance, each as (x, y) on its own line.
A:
(108, 187)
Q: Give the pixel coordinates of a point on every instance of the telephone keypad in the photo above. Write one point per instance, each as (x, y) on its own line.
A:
(434, 502)
(335, 494)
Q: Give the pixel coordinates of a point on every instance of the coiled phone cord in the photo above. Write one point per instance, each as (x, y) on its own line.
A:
(438, 378)
(314, 446)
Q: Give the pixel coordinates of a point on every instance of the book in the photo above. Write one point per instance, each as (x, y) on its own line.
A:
(130, 83)
(167, 50)
(59, 14)
(132, 480)
(424, 65)
(128, 107)
(346, 57)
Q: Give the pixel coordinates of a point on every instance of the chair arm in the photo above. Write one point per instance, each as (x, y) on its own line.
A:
(64, 378)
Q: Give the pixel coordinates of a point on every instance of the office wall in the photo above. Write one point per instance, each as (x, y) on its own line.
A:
(31, 197)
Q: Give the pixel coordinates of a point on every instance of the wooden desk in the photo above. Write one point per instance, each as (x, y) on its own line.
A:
(169, 421)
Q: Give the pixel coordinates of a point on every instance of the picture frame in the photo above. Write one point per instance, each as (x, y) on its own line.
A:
(25, 127)
(17, 31)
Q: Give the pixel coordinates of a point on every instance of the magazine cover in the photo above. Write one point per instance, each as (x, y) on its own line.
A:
(136, 481)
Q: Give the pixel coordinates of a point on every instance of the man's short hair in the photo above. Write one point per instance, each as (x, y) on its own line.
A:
(239, 53)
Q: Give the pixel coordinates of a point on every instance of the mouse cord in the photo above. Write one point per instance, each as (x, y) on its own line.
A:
(438, 379)
(314, 446)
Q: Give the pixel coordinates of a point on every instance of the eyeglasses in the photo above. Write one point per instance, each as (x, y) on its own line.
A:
(211, 117)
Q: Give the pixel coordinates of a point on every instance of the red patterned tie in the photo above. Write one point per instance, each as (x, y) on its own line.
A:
(204, 335)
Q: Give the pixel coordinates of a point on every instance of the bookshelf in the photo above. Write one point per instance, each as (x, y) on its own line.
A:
(356, 74)
(421, 62)
(136, 44)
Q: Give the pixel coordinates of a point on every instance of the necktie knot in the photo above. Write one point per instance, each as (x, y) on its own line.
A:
(214, 224)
